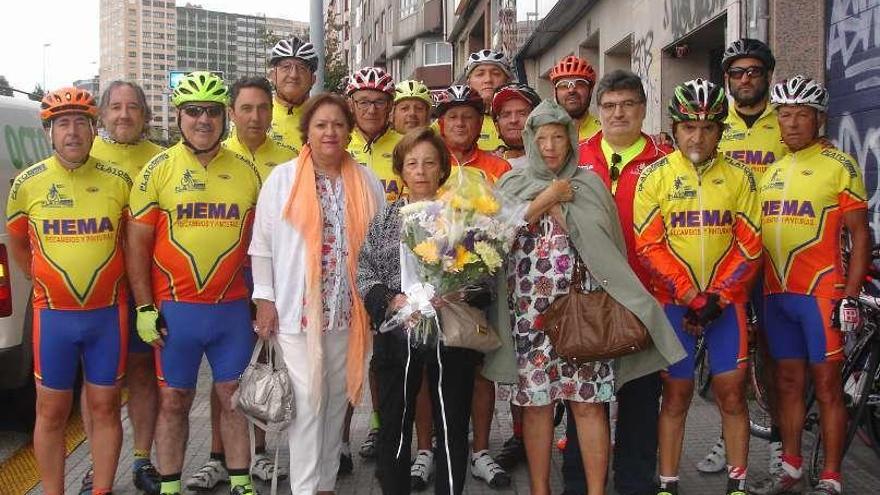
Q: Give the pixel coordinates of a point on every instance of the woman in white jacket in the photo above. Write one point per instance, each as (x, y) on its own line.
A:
(311, 219)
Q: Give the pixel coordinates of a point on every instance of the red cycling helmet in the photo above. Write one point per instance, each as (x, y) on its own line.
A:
(374, 78)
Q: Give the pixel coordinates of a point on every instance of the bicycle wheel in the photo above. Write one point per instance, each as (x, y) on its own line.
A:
(759, 407)
(858, 380)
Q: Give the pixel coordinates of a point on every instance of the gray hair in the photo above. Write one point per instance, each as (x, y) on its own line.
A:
(141, 97)
(620, 80)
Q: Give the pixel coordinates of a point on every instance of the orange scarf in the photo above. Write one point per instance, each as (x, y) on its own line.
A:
(303, 212)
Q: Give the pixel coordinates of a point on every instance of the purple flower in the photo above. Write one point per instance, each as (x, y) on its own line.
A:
(563, 263)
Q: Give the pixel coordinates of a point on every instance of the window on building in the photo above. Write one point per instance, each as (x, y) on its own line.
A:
(438, 53)
(133, 54)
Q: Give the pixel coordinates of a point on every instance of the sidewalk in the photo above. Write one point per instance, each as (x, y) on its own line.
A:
(861, 468)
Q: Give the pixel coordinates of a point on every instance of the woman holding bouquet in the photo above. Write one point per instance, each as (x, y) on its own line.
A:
(311, 220)
(423, 163)
(571, 222)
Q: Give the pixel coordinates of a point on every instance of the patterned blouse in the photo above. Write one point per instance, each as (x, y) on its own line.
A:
(335, 289)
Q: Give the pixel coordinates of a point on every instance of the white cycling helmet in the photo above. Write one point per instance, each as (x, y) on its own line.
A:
(487, 56)
(294, 48)
(800, 90)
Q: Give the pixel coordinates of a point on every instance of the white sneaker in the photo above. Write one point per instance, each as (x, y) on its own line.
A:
(485, 468)
(208, 476)
(263, 468)
(775, 463)
(421, 470)
(715, 461)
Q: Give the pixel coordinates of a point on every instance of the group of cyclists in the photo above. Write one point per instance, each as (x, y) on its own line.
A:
(747, 209)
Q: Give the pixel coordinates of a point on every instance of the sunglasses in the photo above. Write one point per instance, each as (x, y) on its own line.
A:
(615, 166)
(572, 83)
(196, 111)
(753, 72)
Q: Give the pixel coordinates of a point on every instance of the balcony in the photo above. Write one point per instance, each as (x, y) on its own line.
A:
(425, 20)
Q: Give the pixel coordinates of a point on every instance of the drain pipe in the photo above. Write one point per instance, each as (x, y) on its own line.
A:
(316, 36)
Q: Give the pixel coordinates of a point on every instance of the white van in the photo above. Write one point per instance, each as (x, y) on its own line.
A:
(22, 144)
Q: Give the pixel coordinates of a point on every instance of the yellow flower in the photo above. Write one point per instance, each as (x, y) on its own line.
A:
(428, 251)
(460, 203)
(462, 258)
(489, 255)
(486, 205)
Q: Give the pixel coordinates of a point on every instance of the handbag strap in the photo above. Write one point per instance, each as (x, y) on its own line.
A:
(253, 440)
(578, 274)
(258, 347)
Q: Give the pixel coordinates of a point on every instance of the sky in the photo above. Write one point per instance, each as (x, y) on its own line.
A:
(72, 35)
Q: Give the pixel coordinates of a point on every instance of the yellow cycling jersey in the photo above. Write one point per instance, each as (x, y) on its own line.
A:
(285, 126)
(129, 157)
(202, 216)
(698, 231)
(589, 127)
(804, 197)
(758, 146)
(376, 155)
(489, 139)
(72, 219)
(267, 156)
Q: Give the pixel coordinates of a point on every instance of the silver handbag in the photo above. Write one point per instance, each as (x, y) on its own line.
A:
(265, 393)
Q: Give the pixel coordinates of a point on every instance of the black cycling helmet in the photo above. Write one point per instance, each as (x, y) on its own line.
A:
(696, 100)
(294, 48)
(748, 48)
(513, 90)
(458, 95)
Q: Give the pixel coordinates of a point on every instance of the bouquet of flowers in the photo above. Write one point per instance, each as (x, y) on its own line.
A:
(450, 244)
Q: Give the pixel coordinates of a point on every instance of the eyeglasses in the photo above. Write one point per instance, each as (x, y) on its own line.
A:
(289, 67)
(753, 72)
(572, 83)
(615, 166)
(626, 105)
(196, 111)
(366, 104)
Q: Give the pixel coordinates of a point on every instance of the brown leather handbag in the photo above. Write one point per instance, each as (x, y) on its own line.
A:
(592, 326)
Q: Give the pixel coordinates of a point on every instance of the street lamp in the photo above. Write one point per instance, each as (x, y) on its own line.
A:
(45, 45)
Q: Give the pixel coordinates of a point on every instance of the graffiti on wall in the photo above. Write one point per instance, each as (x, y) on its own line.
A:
(852, 73)
(683, 16)
(642, 61)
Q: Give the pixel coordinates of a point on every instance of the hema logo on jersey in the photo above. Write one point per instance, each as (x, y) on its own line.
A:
(788, 208)
(753, 157)
(208, 211)
(77, 226)
(700, 218)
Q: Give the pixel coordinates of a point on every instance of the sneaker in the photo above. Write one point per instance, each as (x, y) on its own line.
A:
(263, 468)
(368, 448)
(485, 468)
(87, 481)
(512, 453)
(208, 476)
(670, 488)
(736, 487)
(346, 465)
(421, 470)
(147, 479)
(243, 490)
(715, 461)
(775, 463)
(825, 487)
(779, 484)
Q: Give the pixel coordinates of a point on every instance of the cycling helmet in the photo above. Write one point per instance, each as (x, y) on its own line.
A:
(698, 99)
(412, 90)
(510, 91)
(374, 78)
(572, 66)
(800, 90)
(200, 86)
(67, 101)
(748, 48)
(294, 48)
(487, 56)
(456, 96)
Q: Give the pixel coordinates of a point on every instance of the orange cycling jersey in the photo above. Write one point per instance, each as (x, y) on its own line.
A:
(72, 219)
(492, 166)
(698, 231)
(804, 197)
(202, 216)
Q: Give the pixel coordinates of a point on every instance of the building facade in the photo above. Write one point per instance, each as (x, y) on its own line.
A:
(142, 40)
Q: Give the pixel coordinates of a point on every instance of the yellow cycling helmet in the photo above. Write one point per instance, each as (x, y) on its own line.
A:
(405, 90)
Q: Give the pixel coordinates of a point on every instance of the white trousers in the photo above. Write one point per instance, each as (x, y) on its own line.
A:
(315, 435)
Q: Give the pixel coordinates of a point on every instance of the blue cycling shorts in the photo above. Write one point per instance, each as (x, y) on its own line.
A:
(63, 338)
(222, 331)
(726, 340)
(799, 327)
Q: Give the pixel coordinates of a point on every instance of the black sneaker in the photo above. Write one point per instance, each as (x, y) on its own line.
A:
(512, 453)
(736, 487)
(346, 466)
(147, 479)
(243, 490)
(670, 488)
